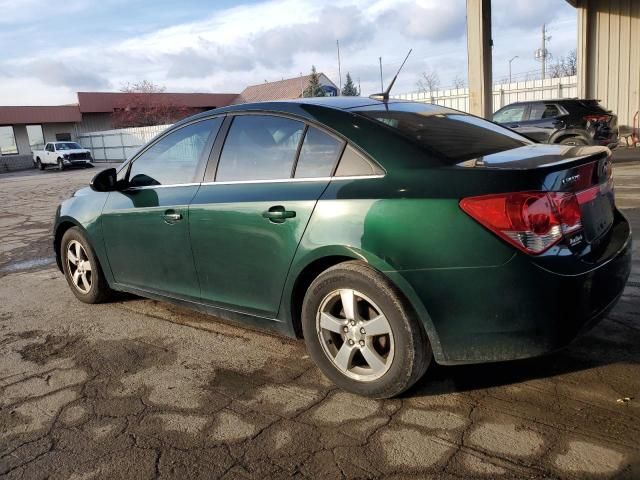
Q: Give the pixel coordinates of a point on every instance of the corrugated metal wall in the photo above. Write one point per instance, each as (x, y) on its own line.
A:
(609, 54)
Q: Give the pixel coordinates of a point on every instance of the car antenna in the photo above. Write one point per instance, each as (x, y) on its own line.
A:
(384, 96)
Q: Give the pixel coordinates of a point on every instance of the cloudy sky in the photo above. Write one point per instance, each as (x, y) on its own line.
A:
(49, 50)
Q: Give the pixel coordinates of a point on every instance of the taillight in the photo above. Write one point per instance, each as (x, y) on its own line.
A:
(531, 221)
(597, 118)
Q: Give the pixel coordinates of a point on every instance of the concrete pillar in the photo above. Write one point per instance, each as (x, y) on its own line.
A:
(584, 70)
(479, 57)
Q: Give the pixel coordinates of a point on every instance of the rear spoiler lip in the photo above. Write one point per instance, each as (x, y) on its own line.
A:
(596, 154)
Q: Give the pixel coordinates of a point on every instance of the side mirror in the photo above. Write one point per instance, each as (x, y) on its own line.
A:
(105, 181)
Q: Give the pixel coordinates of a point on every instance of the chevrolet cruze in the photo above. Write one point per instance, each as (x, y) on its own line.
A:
(388, 234)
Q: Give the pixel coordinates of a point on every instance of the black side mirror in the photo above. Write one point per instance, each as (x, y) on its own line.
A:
(105, 181)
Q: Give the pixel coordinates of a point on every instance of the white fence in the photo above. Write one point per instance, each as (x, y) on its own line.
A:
(118, 145)
(503, 94)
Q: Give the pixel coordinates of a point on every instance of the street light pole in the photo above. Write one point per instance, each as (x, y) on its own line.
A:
(510, 67)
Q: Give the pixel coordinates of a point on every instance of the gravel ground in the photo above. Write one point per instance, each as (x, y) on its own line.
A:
(142, 389)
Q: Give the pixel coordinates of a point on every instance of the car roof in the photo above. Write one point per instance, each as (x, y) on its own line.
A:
(554, 100)
(296, 106)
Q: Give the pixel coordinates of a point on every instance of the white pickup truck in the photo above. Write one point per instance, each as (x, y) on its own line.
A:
(62, 154)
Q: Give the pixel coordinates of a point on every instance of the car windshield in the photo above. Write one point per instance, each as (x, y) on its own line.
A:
(453, 135)
(68, 146)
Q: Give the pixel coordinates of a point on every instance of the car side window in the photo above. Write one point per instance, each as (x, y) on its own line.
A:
(353, 163)
(259, 147)
(510, 114)
(318, 154)
(541, 111)
(49, 148)
(174, 159)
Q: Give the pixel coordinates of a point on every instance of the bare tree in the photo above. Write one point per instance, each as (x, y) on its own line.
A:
(564, 66)
(143, 86)
(458, 82)
(143, 105)
(429, 82)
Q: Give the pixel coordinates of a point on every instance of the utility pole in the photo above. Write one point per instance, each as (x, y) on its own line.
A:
(510, 67)
(544, 49)
(541, 54)
(339, 71)
(381, 84)
(359, 89)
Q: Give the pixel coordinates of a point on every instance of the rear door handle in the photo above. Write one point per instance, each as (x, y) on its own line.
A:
(171, 216)
(515, 125)
(278, 214)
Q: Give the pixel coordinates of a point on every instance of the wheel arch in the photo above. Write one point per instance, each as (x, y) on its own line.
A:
(61, 229)
(308, 270)
(559, 136)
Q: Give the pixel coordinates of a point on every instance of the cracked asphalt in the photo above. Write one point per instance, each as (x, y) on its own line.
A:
(143, 389)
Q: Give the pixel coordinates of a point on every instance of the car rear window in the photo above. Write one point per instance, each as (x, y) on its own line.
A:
(452, 135)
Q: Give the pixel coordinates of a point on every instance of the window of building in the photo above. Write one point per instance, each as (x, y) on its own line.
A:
(174, 159)
(318, 154)
(259, 147)
(36, 137)
(63, 137)
(353, 163)
(8, 141)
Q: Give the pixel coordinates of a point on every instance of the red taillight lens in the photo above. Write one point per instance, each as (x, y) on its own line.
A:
(597, 118)
(532, 221)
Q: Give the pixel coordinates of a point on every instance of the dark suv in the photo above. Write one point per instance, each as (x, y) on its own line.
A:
(567, 121)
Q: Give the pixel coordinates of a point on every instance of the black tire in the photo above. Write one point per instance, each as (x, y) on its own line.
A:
(412, 350)
(575, 141)
(60, 164)
(99, 291)
(39, 164)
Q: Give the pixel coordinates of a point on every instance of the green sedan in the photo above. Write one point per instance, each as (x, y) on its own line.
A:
(387, 234)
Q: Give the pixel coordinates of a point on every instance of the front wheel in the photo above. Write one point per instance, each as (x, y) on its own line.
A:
(60, 164)
(361, 333)
(82, 269)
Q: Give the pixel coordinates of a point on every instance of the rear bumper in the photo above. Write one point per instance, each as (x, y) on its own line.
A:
(521, 309)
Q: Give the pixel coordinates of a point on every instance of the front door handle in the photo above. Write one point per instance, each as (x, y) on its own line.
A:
(171, 216)
(278, 214)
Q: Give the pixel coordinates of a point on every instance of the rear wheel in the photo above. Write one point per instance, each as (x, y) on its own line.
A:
(576, 141)
(81, 268)
(361, 333)
(39, 164)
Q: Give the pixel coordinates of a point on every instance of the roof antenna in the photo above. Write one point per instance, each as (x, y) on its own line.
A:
(384, 96)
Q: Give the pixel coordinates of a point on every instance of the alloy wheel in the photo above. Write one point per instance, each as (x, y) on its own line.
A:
(355, 335)
(79, 266)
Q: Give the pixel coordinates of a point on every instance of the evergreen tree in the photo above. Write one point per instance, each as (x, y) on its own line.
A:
(314, 88)
(349, 89)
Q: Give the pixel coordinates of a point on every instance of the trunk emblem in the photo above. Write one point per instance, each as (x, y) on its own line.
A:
(571, 179)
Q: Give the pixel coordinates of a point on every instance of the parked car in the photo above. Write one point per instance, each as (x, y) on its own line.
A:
(566, 121)
(384, 233)
(62, 155)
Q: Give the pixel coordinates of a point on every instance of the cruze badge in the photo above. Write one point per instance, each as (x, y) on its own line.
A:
(571, 179)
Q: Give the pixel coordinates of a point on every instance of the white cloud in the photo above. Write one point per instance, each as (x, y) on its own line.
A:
(247, 44)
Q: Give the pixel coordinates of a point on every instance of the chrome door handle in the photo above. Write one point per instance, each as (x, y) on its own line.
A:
(171, 216)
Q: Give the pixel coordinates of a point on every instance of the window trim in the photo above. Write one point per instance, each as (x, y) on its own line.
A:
(202, 161)
(15, 142)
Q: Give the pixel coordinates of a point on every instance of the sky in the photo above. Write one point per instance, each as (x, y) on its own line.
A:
(47, 53)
